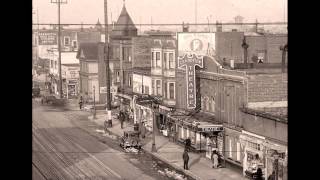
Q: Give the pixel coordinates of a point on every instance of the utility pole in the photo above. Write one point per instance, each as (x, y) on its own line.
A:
(195, 9)
(94, 102)
(59, 2)
(107, 62)
(154, 107)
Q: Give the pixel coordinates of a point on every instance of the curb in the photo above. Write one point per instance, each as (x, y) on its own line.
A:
(189, 173)
(157, 156)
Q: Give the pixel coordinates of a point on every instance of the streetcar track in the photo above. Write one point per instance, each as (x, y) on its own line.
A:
(83, 164)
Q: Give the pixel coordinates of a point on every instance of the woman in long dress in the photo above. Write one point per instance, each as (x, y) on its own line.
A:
(215, 159)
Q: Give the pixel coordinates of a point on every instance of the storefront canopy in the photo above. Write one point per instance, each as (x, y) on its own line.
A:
(200, 121)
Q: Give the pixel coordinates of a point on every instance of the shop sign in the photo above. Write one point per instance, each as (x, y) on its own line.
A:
(210, 128)
(47, 38)
(188, 63)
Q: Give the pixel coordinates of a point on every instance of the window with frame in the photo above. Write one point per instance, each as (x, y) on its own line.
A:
(254, 145)
(213, 104)
(171, 91)
(152, 59)
(165, 90)
(153, 87)
(74, 44)
(126, 53)
(118, 76)
(165, 60)
(51, 63)
(55, 64)
(158, 60)
(67, 41)
(158, 87)
(146, 89)
(171, 61)
(115, 52)
(130, 81)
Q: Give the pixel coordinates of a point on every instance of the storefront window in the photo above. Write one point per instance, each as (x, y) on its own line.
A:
(254, 161)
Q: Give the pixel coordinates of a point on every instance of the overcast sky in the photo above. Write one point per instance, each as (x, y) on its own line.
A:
(163, 11)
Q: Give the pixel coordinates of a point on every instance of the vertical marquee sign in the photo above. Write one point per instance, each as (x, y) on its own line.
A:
(191, 49)
(188, 63)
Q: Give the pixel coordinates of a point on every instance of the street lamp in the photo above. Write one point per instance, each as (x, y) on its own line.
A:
(94, 102)
(155, 108)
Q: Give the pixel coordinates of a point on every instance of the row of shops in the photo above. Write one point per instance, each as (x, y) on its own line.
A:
(249, 150)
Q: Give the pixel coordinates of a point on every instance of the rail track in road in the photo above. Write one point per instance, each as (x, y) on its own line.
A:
(67, 146)
(74, 162)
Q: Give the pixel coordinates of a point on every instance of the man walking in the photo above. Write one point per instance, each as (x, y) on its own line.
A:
(121, 118)
(185, 159)
(80, 102)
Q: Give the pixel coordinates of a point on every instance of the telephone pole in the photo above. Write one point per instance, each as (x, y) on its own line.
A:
(59, 2)
(107, 61)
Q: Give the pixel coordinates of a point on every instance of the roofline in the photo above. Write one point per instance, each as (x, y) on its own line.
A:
(264, 114)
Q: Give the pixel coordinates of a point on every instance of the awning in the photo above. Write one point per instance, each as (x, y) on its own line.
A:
(201, 122)
(125, 96)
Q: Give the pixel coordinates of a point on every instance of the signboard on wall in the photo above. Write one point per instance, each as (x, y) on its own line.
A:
(48, 38)
(196, 43)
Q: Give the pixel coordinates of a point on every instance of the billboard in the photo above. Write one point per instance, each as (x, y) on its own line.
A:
(48, 38)
(196, 43)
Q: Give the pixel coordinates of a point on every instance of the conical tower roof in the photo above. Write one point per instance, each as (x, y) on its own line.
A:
(124, 25)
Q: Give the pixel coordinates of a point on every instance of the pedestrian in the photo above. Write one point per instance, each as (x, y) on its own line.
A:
(121, 118)
(143, 130)
(80, 102)
(258, 174)
(272, 176)
(105, 126)
(214, 159)
(185, 159)
(188, 144)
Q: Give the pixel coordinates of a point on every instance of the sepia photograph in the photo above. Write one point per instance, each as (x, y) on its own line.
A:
(159, 90)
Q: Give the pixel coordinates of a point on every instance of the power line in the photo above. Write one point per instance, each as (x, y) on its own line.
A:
(171, 24)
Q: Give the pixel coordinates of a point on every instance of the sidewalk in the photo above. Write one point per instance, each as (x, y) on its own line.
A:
(171, 153)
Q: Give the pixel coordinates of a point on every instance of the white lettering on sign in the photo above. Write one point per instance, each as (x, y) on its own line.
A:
(188, 63)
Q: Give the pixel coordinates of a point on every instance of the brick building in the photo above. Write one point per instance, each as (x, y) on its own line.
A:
(264, 47)
(248, 103)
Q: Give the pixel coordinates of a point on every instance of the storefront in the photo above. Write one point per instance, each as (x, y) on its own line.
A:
(205, 136)
(126, 105)
(254, 153)
(143, 114)
(276, 160)
(163, 123)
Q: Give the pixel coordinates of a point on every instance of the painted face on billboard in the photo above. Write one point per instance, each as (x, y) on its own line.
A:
(196, 45)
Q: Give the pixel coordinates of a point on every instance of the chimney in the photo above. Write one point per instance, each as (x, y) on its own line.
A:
(185, 28)
(284, 50)
(256, 27)
(218, 26)
(245, 47)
